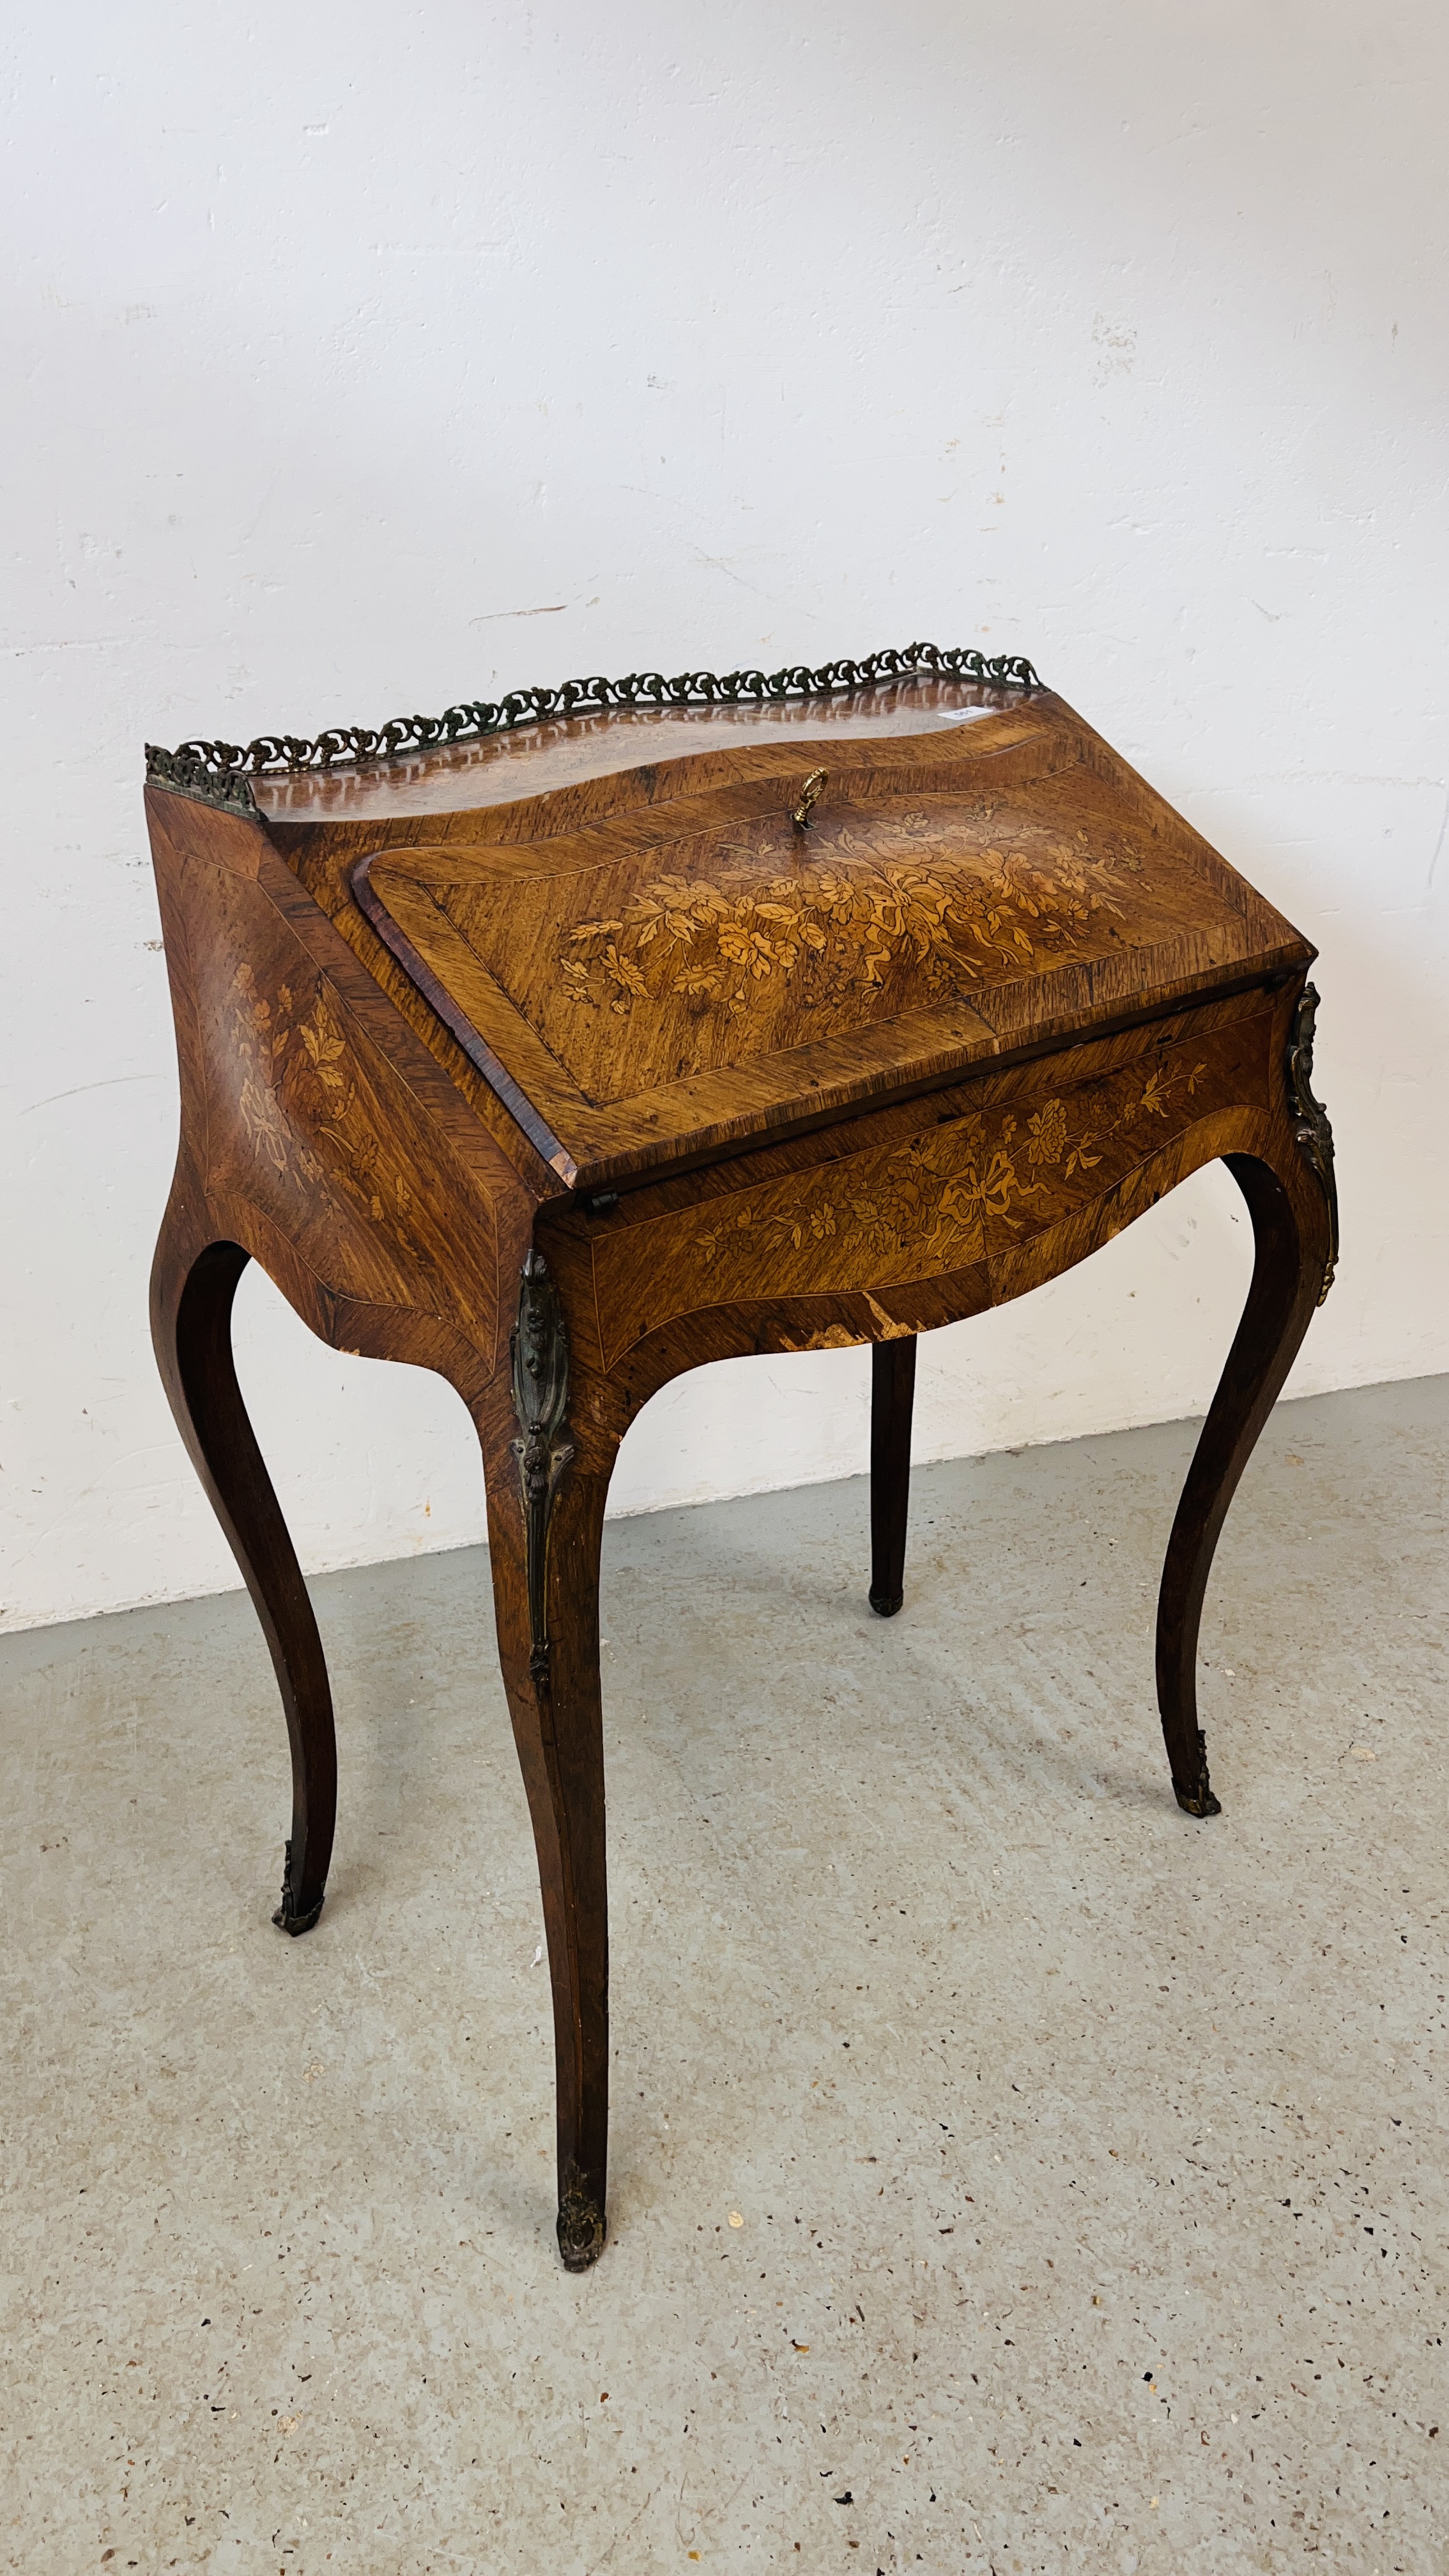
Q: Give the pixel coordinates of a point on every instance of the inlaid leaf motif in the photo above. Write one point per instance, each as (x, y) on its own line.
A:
(324, 1046)
(977, 1185)
(263, 1123)
(299, 1093)
(924, 1206)
(847, 918)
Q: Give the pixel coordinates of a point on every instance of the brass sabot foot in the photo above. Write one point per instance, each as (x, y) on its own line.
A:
(285, 1918)
(1195, 1797)
(580, 2228)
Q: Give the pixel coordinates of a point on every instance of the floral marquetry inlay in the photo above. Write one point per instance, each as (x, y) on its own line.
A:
(932, 1196)
(297, 1119)
(674, 959)
(952, 1194)
(307, 1113)
(840, 923)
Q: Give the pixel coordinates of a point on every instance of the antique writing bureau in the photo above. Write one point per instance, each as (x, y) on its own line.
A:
(563, 1045)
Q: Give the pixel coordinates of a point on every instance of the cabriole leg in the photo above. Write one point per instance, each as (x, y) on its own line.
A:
(1292, 1244)
(545, 1530)
(892, 1398)
(192, 1288)
(556, 1707)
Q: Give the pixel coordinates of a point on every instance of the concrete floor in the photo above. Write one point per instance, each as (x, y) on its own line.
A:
(1090, 2161)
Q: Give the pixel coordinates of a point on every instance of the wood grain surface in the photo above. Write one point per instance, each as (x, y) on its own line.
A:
(544, 759)
(689, 970)
(563, 1064)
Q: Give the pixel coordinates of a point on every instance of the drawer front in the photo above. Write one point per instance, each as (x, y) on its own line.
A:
(970, 1177)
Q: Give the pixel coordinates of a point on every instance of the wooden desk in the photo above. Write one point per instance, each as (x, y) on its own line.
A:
(565, 1045)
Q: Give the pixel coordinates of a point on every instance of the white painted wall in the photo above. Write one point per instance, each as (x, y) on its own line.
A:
(361, 358)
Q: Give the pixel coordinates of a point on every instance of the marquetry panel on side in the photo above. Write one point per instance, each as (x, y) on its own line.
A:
(320, 861)
(295, 1109)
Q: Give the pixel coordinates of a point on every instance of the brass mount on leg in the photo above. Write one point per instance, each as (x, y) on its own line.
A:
(540, 1358)
(1311, 1129)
